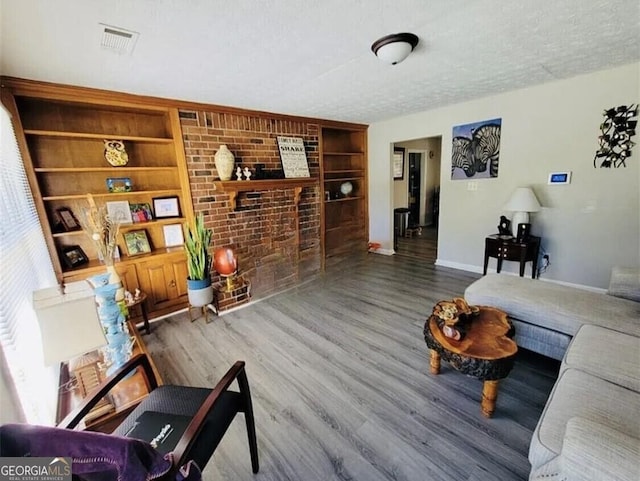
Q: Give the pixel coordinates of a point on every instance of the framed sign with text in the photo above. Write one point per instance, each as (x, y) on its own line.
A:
(293, 157)
(398, 163)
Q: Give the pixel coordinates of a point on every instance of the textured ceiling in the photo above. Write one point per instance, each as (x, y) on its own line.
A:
(312, 57)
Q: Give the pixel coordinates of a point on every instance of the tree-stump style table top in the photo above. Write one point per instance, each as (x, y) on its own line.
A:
(487, 352)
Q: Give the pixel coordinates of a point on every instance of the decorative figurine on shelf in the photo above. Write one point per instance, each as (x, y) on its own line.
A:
(136, 294)
(454, 316)
(239, 173)
(115, 153)
(247, 173)
(128, 297)
(504, 228)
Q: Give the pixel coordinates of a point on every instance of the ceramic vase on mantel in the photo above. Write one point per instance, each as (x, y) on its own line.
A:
(225, 162)
(113, 320)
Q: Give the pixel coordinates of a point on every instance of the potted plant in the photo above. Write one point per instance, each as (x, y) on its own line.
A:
(197, 240)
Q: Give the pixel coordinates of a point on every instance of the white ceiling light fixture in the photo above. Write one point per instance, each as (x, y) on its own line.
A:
(394, 48)
(117, 40)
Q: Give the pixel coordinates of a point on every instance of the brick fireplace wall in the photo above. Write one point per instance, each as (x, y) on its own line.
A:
(277, 243)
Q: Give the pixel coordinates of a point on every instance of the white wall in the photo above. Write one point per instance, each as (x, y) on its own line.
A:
(587, 227)
(10, 410)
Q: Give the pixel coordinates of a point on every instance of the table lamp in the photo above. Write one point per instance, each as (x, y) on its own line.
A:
(522, 201)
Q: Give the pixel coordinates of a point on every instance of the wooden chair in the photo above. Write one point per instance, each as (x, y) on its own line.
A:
(211, 411)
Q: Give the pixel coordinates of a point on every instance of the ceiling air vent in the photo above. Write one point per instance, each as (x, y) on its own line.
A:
(118, 40)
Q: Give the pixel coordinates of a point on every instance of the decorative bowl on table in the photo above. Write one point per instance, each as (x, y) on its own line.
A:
(454, 316)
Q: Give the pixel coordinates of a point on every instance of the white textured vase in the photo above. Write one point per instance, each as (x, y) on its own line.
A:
(225, 162)
(114, 278)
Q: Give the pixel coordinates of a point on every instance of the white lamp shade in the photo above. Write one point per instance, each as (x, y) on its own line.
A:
(69, 324)
(395, 52)
(523, 200)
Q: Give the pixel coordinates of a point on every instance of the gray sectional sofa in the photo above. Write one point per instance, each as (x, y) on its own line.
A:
(590, 427)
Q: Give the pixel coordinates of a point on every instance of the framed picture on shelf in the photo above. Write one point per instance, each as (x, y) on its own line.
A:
(68, 221)
(137, 242)
(173, 235)
(166, 207)
(398, 163)
(141, 212)
(119, 211)
(119, 184)
(74, 256)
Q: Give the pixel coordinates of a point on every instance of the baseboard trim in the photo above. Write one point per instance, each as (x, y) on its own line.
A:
(384, 252)
(479, 270)
(459, 266)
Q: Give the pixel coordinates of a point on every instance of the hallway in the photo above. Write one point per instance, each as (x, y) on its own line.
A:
(423, 246)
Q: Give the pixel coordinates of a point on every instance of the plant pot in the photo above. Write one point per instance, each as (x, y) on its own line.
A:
(199, 292)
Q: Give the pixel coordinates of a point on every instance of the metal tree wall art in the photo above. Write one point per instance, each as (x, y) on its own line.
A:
(615, 140)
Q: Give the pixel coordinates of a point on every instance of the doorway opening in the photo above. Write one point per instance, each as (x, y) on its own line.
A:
(416, 199)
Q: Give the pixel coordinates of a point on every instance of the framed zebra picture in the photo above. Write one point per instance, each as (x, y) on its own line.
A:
(475, 151)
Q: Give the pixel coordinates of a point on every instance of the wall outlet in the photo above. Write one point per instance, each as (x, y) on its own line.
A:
(472, 185)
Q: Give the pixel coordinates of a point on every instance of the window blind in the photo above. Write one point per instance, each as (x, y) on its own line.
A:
(25, 266)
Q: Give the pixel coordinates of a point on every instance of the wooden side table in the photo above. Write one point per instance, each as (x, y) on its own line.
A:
(141, 301)
(508, 248)
(122, 398)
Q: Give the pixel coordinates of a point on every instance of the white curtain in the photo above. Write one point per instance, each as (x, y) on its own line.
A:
(25, 266)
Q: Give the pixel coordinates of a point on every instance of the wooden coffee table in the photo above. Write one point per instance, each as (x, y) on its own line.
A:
(487, 352)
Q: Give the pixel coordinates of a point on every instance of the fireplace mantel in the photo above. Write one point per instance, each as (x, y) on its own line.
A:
(232, 187)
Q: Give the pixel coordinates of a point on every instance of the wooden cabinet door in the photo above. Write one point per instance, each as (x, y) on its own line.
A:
(164, 281)
(128, 276)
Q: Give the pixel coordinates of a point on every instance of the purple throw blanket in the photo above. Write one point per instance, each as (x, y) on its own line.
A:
(95, 456)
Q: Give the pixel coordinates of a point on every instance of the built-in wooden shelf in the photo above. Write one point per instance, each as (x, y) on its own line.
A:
(232, 187)
(344, 199)
(109, 170)
(101, 136)
(113, 194)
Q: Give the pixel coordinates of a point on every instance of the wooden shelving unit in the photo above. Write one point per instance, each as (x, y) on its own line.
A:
(61, 132)
(344, 216)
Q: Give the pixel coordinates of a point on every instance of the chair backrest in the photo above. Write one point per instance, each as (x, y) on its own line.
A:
(191, 445)
(94, 455)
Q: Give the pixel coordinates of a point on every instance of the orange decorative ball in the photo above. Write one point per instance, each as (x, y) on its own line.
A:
(224, 261)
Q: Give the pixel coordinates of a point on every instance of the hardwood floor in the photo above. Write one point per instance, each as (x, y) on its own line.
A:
(422, 245)
(340, 380)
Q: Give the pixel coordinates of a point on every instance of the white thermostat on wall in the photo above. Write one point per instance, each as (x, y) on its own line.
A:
(559, 178)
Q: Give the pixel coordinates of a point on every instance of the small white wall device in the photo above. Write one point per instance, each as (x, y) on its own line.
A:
(559, 178)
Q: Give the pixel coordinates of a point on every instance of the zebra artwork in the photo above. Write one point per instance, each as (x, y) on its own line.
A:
(476, 149)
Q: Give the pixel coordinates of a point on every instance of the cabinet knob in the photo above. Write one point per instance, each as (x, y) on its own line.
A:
(172, 283)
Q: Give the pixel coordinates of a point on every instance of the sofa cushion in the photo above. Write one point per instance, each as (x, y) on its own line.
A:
(577, 393)
(609, 355)
(592, 451)
(625, 282)
(554, 306)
